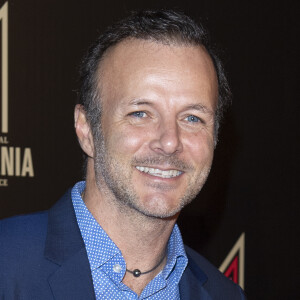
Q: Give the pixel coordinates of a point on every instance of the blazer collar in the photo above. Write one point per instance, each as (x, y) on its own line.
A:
(65, 248)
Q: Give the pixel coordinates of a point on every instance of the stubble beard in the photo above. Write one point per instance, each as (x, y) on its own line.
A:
(114, 179)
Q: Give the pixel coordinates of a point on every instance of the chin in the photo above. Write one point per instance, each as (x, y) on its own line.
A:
(159, 214)
(161, 208)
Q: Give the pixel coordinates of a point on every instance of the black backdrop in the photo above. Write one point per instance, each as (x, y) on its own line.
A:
(252, 187)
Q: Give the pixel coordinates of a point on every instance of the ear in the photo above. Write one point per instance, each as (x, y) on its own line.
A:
(83, 130)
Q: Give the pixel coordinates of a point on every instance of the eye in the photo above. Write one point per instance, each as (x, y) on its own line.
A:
(193, 119)
(138, 114)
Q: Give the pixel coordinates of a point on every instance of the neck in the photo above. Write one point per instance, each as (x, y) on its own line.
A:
(135, 234)
(141, 239)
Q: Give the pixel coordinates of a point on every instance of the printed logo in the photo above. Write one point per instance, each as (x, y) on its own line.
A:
(4, 68)
(14, 161)
(233, 266)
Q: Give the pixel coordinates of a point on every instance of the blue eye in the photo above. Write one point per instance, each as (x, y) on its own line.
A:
(193, 119)
(139, 114)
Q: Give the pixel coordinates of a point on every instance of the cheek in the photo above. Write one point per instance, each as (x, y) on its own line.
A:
(127, 141)
(201, 149)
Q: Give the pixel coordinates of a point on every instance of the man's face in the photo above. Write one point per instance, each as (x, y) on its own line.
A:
(157, 130)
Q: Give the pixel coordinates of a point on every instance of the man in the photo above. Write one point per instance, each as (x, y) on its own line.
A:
(151, 97)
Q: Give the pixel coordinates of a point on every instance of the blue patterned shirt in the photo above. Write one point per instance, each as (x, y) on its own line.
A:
(108, 266)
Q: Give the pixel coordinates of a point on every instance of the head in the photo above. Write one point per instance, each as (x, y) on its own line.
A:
(143, 38)
(162, 26)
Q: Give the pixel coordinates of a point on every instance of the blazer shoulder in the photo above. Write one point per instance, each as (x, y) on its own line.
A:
(22, 232)
(216, 284)
(24, 225)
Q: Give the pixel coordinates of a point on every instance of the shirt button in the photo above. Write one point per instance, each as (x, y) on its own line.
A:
(117, 268)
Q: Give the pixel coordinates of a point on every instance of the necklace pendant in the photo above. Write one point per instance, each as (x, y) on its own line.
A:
(136, 273)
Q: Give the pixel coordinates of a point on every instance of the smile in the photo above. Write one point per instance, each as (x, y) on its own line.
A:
(159, 173)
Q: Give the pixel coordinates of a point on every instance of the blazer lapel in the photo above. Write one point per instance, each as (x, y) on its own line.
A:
(65, 248)
(73, 279)
(191, 283)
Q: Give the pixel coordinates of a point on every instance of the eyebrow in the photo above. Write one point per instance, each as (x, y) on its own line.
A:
(200, 107)
(140, 102)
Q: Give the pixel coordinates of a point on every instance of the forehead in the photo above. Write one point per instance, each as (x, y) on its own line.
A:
(135, 64)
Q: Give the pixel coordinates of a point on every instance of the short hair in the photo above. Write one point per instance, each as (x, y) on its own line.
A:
(162, 26)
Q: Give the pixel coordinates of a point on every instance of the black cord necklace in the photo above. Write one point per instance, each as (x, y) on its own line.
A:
(138, 273)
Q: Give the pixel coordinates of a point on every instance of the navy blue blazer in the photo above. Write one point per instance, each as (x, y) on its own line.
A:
(42, 256)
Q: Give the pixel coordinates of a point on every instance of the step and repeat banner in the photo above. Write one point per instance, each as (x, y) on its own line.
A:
(245, 220)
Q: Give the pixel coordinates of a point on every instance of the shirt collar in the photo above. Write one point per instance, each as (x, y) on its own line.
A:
(177, 259)
(100, 248)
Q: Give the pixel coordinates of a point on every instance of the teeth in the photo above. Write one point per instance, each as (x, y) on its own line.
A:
(159, 173)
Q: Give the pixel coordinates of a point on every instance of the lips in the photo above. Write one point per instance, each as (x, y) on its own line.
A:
(159, 173)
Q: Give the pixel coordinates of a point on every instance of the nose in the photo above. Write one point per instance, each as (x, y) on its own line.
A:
(167, 139)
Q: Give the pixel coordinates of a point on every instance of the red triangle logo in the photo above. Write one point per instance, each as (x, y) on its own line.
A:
(233, 265)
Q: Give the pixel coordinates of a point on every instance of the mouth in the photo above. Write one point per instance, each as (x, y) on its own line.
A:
(159, 173)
